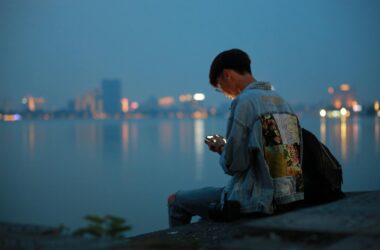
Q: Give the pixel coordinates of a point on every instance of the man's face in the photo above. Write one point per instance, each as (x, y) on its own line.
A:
(225, 84)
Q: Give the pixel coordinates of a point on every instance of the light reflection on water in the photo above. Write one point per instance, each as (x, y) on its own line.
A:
(355, 143)
(377, 133)
(349, 136)
(199, 135)
(125, 137)
(58, 171)
(31, 138)
(185, 135)
(166, 135)
(322, 130)
(343, 137)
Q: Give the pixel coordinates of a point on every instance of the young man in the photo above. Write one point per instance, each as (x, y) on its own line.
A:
(263, 150)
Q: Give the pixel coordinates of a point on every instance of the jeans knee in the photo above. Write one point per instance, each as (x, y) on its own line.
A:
(171, 199)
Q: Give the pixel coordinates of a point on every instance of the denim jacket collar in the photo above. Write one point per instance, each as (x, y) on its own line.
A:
(260, 85)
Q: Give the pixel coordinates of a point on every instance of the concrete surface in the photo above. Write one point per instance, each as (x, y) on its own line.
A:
(350, 223)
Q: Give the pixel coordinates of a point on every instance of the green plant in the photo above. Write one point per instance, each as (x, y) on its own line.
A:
(106, 226)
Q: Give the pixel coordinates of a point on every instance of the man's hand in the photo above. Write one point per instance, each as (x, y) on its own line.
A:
(215, 143)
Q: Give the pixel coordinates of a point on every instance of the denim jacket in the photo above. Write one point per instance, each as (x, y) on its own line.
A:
(263, 151)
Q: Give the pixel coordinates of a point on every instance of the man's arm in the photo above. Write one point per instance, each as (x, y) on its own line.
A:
(236, 156)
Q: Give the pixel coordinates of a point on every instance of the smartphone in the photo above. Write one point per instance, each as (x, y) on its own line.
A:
(210, 138)
(215, 138)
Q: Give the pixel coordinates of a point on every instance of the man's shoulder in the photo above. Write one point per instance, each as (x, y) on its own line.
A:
(260, 97)
(243, 101)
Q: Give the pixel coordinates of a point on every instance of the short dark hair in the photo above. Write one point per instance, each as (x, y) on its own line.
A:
(235, 59)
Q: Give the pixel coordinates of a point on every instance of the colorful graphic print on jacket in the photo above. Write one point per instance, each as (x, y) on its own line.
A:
(282, 137)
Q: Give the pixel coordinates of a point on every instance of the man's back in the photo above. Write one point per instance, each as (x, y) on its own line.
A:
(263, 153)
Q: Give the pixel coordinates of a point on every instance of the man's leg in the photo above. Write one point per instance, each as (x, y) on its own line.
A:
(185, 204)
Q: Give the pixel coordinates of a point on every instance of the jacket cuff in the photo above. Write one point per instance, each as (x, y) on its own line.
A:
(222, 163)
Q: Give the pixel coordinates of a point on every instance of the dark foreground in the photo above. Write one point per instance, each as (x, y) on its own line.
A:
(350, 223)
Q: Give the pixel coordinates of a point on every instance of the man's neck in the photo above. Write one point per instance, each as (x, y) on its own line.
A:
(245, 81)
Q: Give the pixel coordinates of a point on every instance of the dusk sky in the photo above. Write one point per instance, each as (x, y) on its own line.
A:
(61, 49)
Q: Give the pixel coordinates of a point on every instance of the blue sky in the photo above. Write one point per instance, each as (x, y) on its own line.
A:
(61, 49)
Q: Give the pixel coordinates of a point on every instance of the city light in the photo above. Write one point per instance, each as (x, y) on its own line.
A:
(166, 101)
(185, 98)
(357, 108)
(376, 106)
(378, 113)
(31, 104)
(337, 104)
(330, 90)
(333, 114)
(11, 118)
(344, 87)
(124, 105)
(343, 111)
(199, 115)
(134, 105)
(199, 96)
(322, 113)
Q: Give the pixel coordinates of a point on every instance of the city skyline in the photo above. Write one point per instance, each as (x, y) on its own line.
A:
(57, 49)
(81, 101)
(106, 102)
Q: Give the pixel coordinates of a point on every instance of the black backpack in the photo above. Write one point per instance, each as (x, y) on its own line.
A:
(322, 173)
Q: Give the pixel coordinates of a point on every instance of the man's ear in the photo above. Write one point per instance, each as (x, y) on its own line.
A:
(227, 74)
(231, 74)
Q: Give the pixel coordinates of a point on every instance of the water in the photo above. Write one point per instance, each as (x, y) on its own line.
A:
(59, 171)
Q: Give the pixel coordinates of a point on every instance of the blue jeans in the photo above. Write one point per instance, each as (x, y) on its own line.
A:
(192, 202)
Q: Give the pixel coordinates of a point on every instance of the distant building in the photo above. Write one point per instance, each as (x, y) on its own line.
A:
(32, 104)
(89, 102)
(343, 96)
(111, 92)
(71, 106)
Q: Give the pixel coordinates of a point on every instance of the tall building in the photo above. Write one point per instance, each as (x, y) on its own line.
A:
(111, 91)
(32, 104)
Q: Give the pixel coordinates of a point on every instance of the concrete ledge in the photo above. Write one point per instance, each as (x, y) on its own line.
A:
(350, 223)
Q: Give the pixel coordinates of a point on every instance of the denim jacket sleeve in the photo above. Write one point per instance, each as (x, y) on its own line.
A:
(236, 157)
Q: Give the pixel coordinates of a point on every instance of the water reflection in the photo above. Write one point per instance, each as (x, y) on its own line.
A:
(343, 134)
(377, 133)
(31, 139)
(184, 136)
(343, 137)
(166, 135)
(112, 148)
(322, 130)
(355, 134)
(134, 136)
(199, 134)
(88, 137)
(125, 138)
(92, 134)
